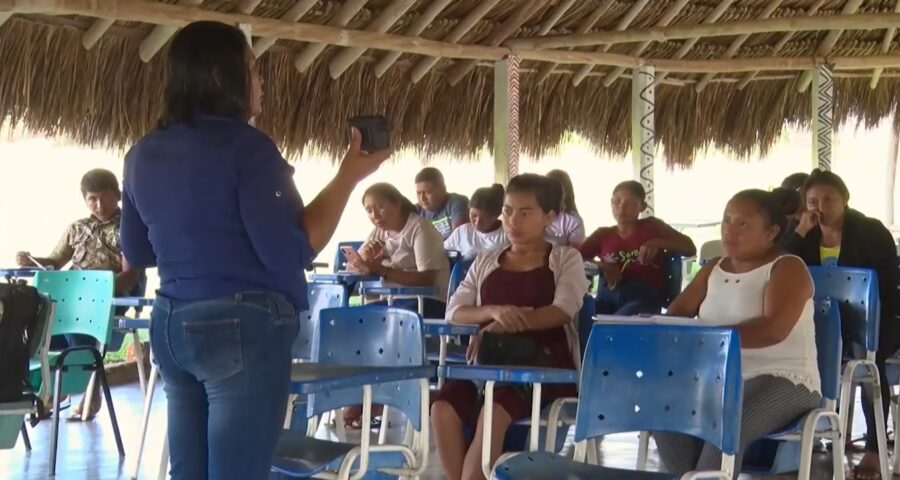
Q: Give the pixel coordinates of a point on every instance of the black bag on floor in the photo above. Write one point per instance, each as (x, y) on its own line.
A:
(19, 309)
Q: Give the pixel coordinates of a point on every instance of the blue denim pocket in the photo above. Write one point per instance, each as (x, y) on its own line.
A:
(214, 348)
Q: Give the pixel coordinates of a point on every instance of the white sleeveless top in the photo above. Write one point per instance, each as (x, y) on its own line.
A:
(734, 298)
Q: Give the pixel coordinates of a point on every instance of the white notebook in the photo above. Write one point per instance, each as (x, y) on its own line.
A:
(648, 320)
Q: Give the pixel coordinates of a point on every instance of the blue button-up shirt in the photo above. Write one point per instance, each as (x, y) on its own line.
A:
(214, 206)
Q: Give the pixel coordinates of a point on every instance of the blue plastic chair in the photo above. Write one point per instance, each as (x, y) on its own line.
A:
(340, 262)
(672, 278)
(855, 291)
(320, 296)
(457, 275)
(669, 378)
(795, 443)
(83, 301)
(374, 336)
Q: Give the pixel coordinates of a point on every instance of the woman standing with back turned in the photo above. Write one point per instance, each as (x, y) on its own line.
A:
(211, 202)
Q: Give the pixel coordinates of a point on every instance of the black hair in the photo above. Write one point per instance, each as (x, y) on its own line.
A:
(391, 194)
(768, 205)
(207, 73)
(795, 181)
(489, 199)
(99, 181)
(547, 192)
(633, 187)
(568, 200)
(430, 175)
(789, 199)
(825, 177)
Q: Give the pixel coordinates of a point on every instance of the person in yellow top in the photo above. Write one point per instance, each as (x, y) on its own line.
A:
(92, 243)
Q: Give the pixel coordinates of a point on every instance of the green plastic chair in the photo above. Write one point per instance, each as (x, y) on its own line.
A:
(83, 301)
(12, 414)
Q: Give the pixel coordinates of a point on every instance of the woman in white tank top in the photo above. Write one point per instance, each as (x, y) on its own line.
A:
(767, 296)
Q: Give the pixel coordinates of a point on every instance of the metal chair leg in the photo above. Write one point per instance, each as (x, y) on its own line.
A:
(104, 384)
(25, 439)
(145, 420)
(54, 428)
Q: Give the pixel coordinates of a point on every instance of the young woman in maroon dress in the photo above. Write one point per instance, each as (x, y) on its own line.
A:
(629, 254)
(525, 297)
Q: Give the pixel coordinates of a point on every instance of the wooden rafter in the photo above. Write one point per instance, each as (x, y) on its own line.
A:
(501, 33)
(293, 14)
(462, 28)
(160, 34)
(348, 10)
(385, 20)
(737, 43)
(686, 47)
(830, 40)
(631, 14)
(585, 26)
(4, 17)
(639, 49)
(812, 10)
(176, 16)
(885, 48)
(862, 21)
(418, 26)
(97, 30)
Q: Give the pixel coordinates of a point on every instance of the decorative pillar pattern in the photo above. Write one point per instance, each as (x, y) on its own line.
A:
(506, 119)
(823, 115)
(643, 133)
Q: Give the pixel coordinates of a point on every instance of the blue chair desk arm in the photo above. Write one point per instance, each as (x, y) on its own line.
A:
(128, 323)
(377, 287)
(436, 327)
(308, 378)
(508, 374)
(133, 302)
(342, 277)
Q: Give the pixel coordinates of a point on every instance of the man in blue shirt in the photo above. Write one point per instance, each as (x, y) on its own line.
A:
(446, 211)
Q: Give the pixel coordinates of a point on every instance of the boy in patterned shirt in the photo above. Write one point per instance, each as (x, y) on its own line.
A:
(92, 243)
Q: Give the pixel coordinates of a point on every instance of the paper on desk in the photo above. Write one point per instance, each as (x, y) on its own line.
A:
(647, 320)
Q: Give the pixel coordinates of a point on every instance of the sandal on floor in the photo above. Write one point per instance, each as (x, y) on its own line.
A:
(356, 423)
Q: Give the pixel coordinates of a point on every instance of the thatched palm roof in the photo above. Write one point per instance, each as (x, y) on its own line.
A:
(106, 94)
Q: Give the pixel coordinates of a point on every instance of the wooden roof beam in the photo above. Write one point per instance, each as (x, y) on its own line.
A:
(418, 26)
(632, 13)
(462, 28)
(4, 17)
(308, 55)
(885, 48)
(639, 49)
(295, 13)
(160, 34)
(385, 20)
(866, 21)
(830, 40)
(737, 43)
(812, 10)
(586, 25)
(501, 33)
(688, 45)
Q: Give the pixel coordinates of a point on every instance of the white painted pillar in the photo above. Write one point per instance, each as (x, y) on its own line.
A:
(506, 119)
(891, 174)
(643, 135)
(822, 115)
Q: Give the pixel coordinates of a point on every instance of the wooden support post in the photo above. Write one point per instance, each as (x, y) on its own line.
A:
(891, 179)
(823, 115)
(643, 137)
(506, 119)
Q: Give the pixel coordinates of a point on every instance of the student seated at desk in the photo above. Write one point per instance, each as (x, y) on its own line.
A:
(525, 296)
(567, 227)
(830, 233)
(404, 248)
(768, 298)
(630, 254)
(484, 230)
(91, 243)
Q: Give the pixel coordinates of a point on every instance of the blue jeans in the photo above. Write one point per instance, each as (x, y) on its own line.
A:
(632, 296)
(227, 367)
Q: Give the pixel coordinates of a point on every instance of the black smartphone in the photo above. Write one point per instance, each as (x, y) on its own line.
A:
(375, 130)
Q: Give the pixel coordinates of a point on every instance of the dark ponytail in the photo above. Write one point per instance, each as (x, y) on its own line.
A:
(489, 199)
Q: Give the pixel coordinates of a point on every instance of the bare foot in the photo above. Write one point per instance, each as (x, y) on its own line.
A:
(868, 468)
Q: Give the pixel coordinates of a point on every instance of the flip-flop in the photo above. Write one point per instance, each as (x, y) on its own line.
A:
(356, 423)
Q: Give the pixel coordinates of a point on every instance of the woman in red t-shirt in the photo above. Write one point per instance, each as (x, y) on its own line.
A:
(629, 254)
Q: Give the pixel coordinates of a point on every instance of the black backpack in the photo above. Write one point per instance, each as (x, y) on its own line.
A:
(20, 307)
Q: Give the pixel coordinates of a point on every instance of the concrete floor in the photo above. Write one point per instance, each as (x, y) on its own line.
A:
(87, 451)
